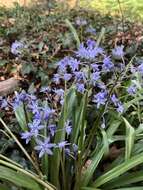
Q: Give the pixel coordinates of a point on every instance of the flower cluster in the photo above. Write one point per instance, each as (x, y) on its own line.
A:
(90, 69)
(40, 118)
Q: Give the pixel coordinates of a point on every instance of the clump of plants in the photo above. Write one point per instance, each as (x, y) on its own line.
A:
(93, 102)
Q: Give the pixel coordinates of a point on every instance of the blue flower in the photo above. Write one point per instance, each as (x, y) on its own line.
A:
(67, 76)
(81, 22)
(52, 129)
(120, 108)
(95, 67)
(90, 43)
(16, 47)
(27, 136)
(68, 127)
(74, 64)
(62, 65)
(35, 127)
(38, 115)
(75, 148)
(62, 101)
(59, 92)
(114, 99)
(94, 78)
(34, 107)
(3, 103)
(107, 64)
(44, 147)
(101, 85)
(90, 52)
(46, 89)
(48, 113)
(19, 99)
(91, 30)
(100, 98)
(80, 88)
(118, 52)
(56, 78)
(140, 68)
(133, 69)
(31, 97)
(132, 89)
(117, 103)
(80, 76)
(62, 144)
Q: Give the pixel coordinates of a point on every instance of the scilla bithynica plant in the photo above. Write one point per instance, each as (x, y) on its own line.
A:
(72, 122)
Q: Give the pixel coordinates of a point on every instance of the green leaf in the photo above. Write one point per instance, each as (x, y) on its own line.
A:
(130, 137)
(20, 116)
(139, 129)
(126, 179)
(100, 151)
(101, 35)
(87, 175)
(89, 188)
(105, 142)
(114, 125)
(27, 68)
(131, 188)
(60, 135)
(18, 178)
(119, 170)
(73, 30)
(79, 118)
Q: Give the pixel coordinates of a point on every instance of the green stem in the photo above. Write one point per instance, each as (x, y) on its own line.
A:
(45, 166)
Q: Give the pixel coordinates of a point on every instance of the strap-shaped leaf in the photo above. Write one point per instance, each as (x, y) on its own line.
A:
(131, 188)
(130, 137)
(20, 116)
(94, 163)
(119, 170)
(126, 179)
(17, 178)
(98, 155)
(73, 30)
(69, 99)
(89, 188)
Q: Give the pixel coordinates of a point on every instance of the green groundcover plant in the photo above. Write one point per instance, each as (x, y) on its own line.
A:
(94, 101)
